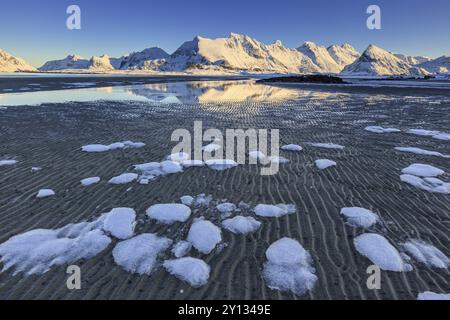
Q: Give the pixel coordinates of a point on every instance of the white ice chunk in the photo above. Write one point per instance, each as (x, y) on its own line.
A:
(221, 164)
(123, 178)
(378, 129)
(43, 193)
(289, 267)
(428, 295)
(226, 207)
(7, 162)
(171, 167)
(427, 184)
(179, 157)
(241, 225)
(116, 145)
(422, 132)
(187, 200)
(324, 163)
(421, 151)
(328, 145)
(292, 147)
(120, 222)
(359, 217)
(442, 136)
(95, 148)
(426, 254)
(169, 213)
(269, 210)
(378, 250)
(204, 236)
(193, 271)
(139, 254)
(422, 170)
(89, 181)
(133, 145)
(181, 248)
(112, 146)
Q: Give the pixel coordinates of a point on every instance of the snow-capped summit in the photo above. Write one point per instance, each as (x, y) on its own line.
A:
(101, 63)
(72, 61)
(239, 52)
(320, 56)
(343, 54)
(439, 65)
(139, 59)
(376, 61)
(413, 60)
(9, 63)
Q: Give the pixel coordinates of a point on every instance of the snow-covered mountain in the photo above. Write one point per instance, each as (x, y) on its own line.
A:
(101, 63)
(320, 56)
(439, 65)
(70, 62)
(343, 54)
(239, 52)
(379, 62)
(9, 63)
(142, 59)
(412, 60)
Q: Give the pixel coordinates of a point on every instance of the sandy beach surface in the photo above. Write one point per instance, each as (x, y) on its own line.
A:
(50, 136)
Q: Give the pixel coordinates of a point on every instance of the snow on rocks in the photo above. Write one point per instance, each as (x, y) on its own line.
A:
(269, 210)
(221, 164)
(44, 193)
(378, 250)
(139, 254)
(181, 248)
(7, 162)
(422, 170)
(89, 181)
(36, 251)
(292, 147)
(204, 236)
(112, 146)
(123, 178)
(289, 267)
(428, 295)
(421, 151)
(120, 223)
(426, 254)
(241, 225)
(378, 129)
(359, 217)
(328, 145)
(193, 271)
(324, 163)
(169, 213)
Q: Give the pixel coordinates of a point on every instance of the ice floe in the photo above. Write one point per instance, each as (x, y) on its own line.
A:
(241, 225)
(378, 250)
(423, 170)
(124, 178)
(269, 210)
(89, 181)
(428, 295)
(328, 145)
(193, 271)
(289, 267)
(204, 235)
(426, 254)
(43, 193)
(139, 254)
(112, 146)
(120, 223)
(169, 213)
(292, 147)
(378, 129)
(7, 162)
(181, 248)
(421, 151)
(221, 164)
(324, 163)
(359, 217)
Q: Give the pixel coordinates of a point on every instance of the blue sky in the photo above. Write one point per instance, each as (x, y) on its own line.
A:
(36, 30)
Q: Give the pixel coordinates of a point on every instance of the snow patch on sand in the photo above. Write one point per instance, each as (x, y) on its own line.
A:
(181, 248)
(279, 210)
(292, 147)
(193, 271)
(44, 193)
(7, 162)
(422, 170)
(123, 178)
(89, 181)
(378, 250)
(289, 267)
(112, 146)
(378, 129)
(221, 164)
(204, 236)
(426, 254)
(359, 217)
(169, 213)
(324, 163)
(430, 133)
(421, 151)
(120, 222)
(241, 225)
(428, 295)
(328, 145)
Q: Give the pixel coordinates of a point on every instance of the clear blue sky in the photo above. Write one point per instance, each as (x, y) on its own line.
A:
(36, 30)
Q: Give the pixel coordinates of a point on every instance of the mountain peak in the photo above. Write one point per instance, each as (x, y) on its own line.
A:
(9, 63)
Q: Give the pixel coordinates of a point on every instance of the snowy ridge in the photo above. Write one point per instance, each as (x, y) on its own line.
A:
(9, 63)
(72, 61)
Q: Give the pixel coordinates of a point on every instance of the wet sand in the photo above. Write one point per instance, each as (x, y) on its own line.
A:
(367, 175)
